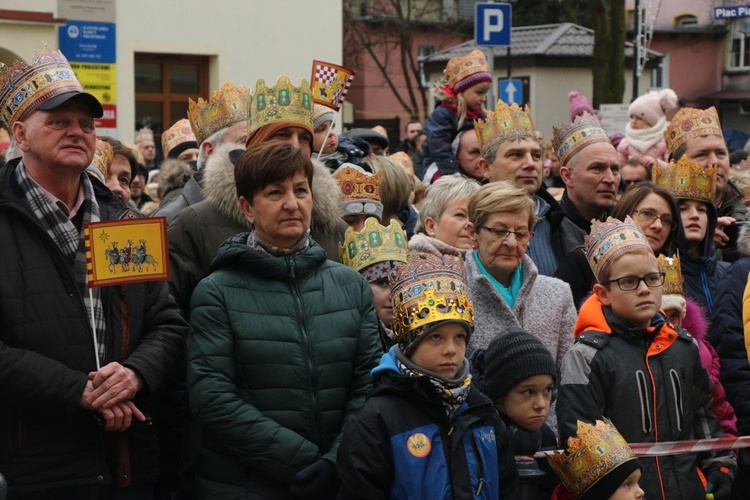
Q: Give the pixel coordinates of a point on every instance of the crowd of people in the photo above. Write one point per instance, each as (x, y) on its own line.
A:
(346, 321)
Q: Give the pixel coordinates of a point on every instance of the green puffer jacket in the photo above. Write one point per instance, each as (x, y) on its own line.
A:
(280, 351)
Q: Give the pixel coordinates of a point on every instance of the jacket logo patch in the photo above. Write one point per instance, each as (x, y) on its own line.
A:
(419, 445)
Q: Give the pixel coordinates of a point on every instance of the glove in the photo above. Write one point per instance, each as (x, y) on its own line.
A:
(720, 485)
(317, 480)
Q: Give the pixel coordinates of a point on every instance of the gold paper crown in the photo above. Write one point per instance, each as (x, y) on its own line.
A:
(689, 123)
(136, 152)
(429, 289)
(569, 140)
(670, 266)
(23, 88)
(144, 134)
(225, 107)
(103, 156)
(460, 67)
(611, 239)
(282, 102)
(374, 243)
(360, 189)
(596, 451)
(687, 180)
(504, 124)
(177, 134)
(404, 160)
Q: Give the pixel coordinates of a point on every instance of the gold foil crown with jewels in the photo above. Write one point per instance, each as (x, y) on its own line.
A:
(282, 102)
(610, 240)
(177, 134)
(689, 123)
(594, 452)
(103, 156)
(670, 266)
(24, 88)
(429, 289)
(360, 190)
(374, 243)
(225, 107)
(504, 123)
(461, 67)
(569, 140)
(686, 180)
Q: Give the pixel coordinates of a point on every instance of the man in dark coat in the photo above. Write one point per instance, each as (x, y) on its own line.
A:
(73, 430)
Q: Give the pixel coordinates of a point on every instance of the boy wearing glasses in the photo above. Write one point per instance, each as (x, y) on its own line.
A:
(630, 366)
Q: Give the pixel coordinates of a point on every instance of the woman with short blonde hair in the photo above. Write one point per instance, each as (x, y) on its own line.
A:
(444, 227)
(504, 283)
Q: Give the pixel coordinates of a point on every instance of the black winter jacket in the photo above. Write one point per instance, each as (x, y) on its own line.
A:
(651, 385)
(46, 352)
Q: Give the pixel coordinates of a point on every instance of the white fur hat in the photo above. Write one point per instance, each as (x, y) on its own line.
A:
(654, 105)
(673, 301)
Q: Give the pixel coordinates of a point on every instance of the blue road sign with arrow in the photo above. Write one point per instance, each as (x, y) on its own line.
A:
(511, 91)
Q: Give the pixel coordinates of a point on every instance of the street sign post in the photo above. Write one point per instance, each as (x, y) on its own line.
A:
(492, 24)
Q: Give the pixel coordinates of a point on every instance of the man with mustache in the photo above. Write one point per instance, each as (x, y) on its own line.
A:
(515, 154)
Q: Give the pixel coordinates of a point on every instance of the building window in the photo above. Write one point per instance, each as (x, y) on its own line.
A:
(163, 84)
(739, 48)
(426, 50)
(685, 20)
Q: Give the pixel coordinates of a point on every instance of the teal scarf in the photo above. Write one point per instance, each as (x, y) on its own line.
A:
(508, 294)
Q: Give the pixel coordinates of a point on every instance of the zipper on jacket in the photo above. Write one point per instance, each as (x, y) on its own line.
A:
(306, 339)
(480, 464)
(706, 290)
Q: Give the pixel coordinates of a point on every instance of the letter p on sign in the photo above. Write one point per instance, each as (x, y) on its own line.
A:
(492, 24)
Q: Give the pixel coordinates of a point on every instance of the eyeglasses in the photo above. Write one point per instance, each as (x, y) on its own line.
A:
(630, 283)
(500, 233)
(650, 217)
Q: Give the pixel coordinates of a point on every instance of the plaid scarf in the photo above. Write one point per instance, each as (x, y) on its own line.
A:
(70, 241)
(452, 392)
(255, 241)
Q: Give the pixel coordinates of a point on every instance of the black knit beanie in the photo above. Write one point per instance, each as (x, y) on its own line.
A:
(513, 356)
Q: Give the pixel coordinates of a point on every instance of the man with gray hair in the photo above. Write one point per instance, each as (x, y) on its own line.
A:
(220, 120)
(513, 153)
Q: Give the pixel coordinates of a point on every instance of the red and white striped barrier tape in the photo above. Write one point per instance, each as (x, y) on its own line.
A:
(679, 447)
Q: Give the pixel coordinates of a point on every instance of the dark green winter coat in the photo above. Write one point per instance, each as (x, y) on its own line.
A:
(279, 357)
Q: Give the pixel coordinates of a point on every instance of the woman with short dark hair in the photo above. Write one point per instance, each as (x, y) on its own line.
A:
(281, 343)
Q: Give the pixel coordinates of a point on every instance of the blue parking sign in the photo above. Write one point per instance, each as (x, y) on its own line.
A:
(492, 24)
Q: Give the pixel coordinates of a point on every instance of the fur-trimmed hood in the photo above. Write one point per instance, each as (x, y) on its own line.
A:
(220, 191)
(743, 241)
(327, 200)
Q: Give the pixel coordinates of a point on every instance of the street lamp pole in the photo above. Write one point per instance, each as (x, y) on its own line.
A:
(636, 47)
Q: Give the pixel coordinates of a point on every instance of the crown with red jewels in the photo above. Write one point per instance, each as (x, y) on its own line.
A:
(360, 189)
(689, 123)
(225, 107)
(429, 289)
(504, 123)
(23, 87)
